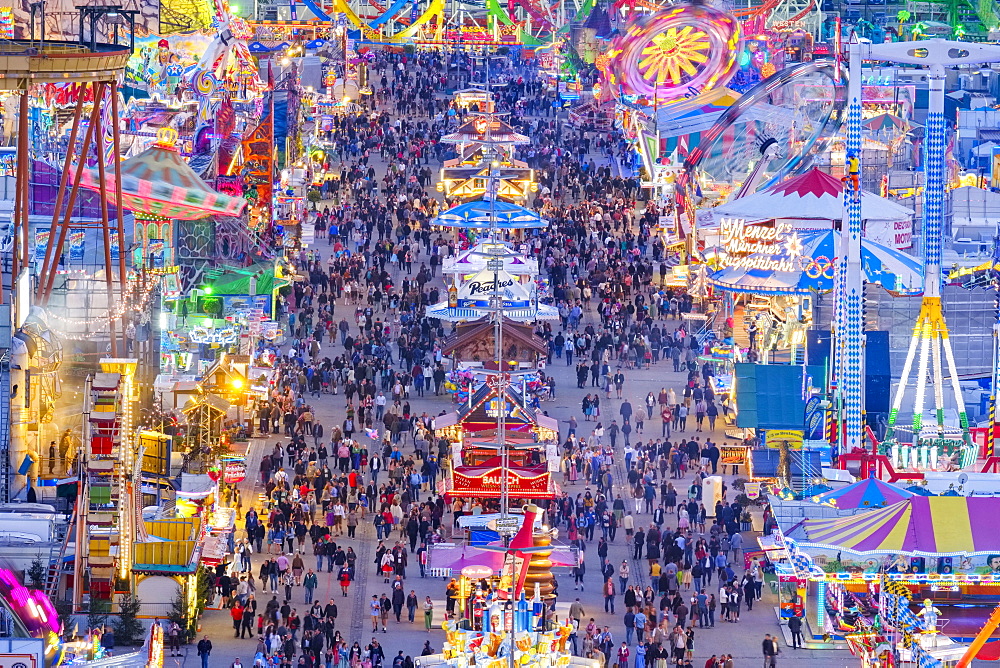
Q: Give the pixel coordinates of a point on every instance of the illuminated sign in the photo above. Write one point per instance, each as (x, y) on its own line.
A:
(235, 471)
(214, 336)
(765, 247)
(778, 437)
(487, 482)
(493, 408)
(738, 238)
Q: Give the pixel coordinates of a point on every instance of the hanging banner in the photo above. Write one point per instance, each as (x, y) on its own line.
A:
(115, 246)
(41, 243)
(77, 245)
(752, 490)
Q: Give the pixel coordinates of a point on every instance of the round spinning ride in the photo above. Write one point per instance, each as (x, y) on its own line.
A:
(774, 130)
(678, 52)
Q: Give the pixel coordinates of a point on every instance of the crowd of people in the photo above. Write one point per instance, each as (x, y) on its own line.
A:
(359, 339)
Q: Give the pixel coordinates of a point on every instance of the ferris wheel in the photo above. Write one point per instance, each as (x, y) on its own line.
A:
(777, 128)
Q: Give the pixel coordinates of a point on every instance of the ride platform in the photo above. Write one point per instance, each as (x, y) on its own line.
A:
(25, 63)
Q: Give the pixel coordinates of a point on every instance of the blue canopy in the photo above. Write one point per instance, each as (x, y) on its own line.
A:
(483, 215)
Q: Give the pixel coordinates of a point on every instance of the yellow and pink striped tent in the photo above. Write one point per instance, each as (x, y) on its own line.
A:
(921, 525)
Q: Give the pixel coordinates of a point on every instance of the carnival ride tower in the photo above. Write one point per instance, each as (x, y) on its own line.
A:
(930, 334)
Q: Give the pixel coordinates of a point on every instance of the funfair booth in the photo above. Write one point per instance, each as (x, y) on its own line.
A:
(941, 549)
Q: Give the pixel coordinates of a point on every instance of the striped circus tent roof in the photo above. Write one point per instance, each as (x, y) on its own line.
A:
(867, 493)
(920, 525)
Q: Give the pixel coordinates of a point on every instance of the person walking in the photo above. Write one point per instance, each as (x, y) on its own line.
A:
(623, 654)
(310, 582)
(795, 626)
(411, 606)
(609, 595)
(428, 612)
(623, 573)
(204, 651)
(174, 634)
(770, 650)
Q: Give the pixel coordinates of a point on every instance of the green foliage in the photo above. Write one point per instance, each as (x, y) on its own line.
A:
(503, 51)
(179, 613)
(739, 484)
(835, 566)
(211, 306)
(97, 615)
(65, 611)
(128, 629)
(35, 574)
(314, 196)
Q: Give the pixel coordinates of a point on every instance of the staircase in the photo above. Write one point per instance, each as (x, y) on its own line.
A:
(706, 332)
(57, 553)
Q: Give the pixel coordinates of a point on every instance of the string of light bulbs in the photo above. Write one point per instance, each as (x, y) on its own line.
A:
(111, 314)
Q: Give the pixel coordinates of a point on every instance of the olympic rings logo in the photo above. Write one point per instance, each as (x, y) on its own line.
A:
(819, 267)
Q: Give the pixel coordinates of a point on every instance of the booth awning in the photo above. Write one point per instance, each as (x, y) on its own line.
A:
(921, 525)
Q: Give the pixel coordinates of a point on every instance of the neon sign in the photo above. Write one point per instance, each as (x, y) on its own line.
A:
(767, 248)
(738, 238)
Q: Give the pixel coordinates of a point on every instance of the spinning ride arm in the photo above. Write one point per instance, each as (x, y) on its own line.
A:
(977, 644)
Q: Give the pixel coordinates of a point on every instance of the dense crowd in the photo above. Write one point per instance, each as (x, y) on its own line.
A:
(359, 336)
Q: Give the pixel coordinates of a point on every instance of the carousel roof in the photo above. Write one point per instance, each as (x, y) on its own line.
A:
(483, 214)
(814, 195)
(926, 525)
(159, 182)
(474, 259)
(484, 130)
(808, 263)
(884, 122)
(470, 331)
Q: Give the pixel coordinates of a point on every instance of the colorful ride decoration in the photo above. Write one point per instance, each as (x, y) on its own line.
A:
(158, 181)
(227, 64)
(674, 53)
(159, 64)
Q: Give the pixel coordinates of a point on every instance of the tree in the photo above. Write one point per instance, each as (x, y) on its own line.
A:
(314, 196)
(36, 573)
(179, 614)
(128, 629)
(97, 616)
(65, 611)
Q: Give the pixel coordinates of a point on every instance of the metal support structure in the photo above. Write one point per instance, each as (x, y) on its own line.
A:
(930, 334)
(850, 328)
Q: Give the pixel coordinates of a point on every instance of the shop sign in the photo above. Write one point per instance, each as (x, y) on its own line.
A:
(739, 238)
(235, 472)
(490, 483)
(493, 408)
(752, 490)
(508, 525)
(777, 437)
(477, 572)
(733, 454)
(214, 336)
(8, 161)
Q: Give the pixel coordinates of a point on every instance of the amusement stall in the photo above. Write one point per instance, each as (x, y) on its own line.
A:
(935, 550)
